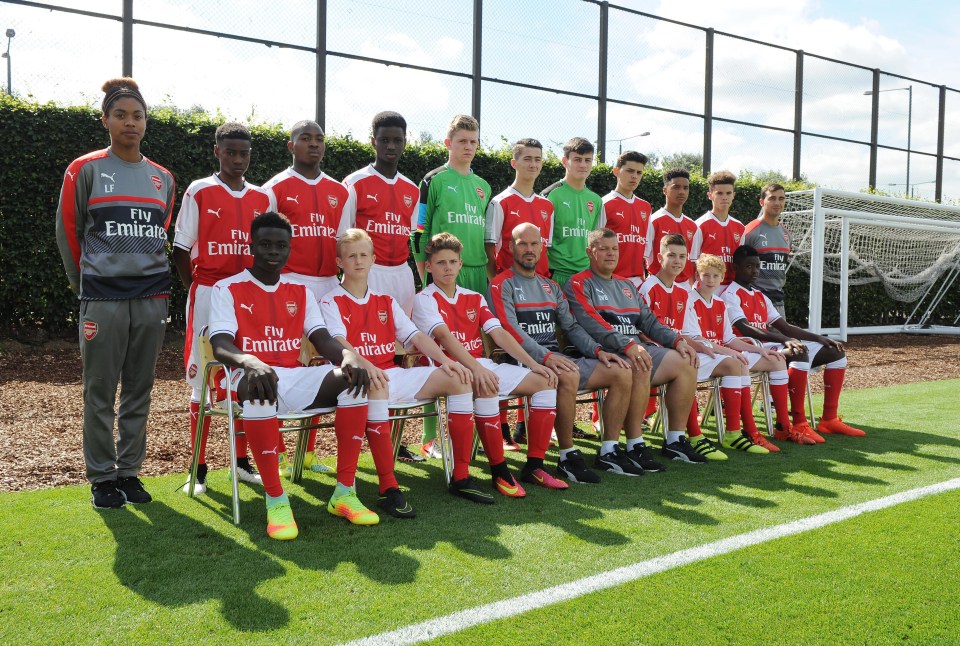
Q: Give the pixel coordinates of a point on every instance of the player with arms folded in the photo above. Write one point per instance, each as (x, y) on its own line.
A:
(257, 321)
(455, 317)
(533, 309)
(753, 314)
(371, 324)
(612, 311)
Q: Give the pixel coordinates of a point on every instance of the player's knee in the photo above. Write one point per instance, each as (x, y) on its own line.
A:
(568, 381)
(728, 367)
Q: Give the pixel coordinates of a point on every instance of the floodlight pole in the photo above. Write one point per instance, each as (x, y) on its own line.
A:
(10, 34)
(620, 141)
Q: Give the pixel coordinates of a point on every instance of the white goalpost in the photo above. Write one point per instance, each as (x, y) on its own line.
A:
(849, 239)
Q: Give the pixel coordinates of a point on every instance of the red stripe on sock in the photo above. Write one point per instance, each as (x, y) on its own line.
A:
(263, 435)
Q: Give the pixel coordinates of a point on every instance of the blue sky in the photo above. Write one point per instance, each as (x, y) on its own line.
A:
(650, 62)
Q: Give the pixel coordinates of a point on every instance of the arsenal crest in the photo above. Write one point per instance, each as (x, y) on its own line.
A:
(719, 318)
(544, 214)
(407, 201)
(332, 201)
(628, 292)
(292, 308)
(736, 237)
(382, 315)
(590, 206)
(480, 193)
(472, 314)
(90, 330)
(192, 372)
(679, 307)
(547, 289)
(157, 182)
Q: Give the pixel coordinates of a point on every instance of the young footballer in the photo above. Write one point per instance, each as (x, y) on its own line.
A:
(313, 202)
(717, 232)
(708, 312)
(671, 219)
(455, 317)
(112, 218)
(669, 302)
(371, 324)
(628, 216)
(575, 211)
(212, 242)
(752, 314)
(257, 321)
(772, 241)
(612, 311)
(532, 309)
(454, 199)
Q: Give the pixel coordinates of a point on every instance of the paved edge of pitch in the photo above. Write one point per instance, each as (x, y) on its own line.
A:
(463, 619)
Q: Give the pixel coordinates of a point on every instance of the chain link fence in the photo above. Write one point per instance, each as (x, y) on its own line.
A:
(620, 77)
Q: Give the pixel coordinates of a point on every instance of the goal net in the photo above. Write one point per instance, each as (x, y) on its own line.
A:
(846, 238)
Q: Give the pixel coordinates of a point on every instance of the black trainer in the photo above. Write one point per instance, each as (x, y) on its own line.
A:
(574, 468)
(405, 455)
(132, 491)
(393, 502)
(616, 461)
(467, 488)
(580, 434)
(520, 434)
(683, 451)
(106, 495)
(642, 456)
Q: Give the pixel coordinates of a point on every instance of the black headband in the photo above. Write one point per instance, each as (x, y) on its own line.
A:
(122, 91)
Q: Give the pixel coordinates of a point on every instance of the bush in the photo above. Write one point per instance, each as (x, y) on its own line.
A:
(40, 140)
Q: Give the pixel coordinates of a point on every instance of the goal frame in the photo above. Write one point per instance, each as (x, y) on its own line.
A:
(821, 215)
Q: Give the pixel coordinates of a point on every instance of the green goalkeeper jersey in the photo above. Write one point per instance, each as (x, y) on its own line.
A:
(574, 216)
(456, 204)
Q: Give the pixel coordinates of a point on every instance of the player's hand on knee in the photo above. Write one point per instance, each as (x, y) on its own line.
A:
(794, 347)
(261, 383)
(452, 369)
(610, 360)
(358, 381)
(560, 363)
(546, 373)
(486, 381)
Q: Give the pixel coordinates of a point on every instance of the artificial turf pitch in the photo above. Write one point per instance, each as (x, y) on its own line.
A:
(178, 570)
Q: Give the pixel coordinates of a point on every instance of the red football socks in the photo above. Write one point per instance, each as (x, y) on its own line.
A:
(263, 434)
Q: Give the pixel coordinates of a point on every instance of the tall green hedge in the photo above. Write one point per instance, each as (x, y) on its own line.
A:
(40, 140)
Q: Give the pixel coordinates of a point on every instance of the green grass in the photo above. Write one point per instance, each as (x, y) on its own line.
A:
(179, 570)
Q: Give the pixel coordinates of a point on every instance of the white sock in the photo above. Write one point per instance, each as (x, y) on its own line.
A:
(637, 441)
(607, 446)
(674, 436)
(564, 452)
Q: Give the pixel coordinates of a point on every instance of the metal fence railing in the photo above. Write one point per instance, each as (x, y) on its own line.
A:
(624, 78)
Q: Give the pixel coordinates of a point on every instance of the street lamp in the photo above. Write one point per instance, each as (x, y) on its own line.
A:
(909, 90)
(620, 141)
(10, 34)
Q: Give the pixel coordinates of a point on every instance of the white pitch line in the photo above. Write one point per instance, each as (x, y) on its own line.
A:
(478, 615)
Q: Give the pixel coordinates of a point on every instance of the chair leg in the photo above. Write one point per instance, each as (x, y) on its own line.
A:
(396, 435)
(198, 431)
(765, 389)
(717, 407)
(813, 415)
(231, 433)
(446, 445)
(300, 453)
(601, 396)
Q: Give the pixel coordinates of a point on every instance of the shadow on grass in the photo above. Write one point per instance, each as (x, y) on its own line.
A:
(173, 560)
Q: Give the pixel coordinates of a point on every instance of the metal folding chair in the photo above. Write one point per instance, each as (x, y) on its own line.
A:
(400, 412)
(300, 422)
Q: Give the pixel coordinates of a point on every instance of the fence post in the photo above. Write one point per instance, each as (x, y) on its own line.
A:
(708, 103)
(874, 127)
(477, 50)
(940, 141)
(321, 63)
(797, 115)
(602, 86)
(127, 38)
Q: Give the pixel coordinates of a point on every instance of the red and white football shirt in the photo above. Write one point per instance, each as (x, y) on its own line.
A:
(750, 304)
(372, 324)
(629, 218)
(508, 210)
(466, 314)
(383, 207)
(663, 223)
(668, 304)
(718, 237)
(268, 321)
(314, 208)
(708, 319)
(214, 226)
